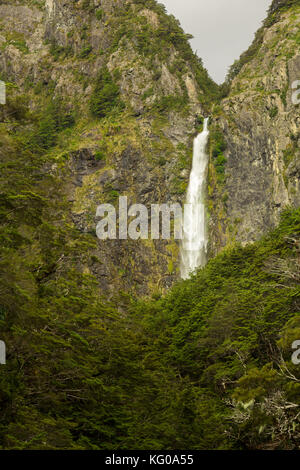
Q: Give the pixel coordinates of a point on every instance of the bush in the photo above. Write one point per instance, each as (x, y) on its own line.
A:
(58, 51)
(85, 52)
(218, 144)
(99, 14)
(54, 119)
(105, 96)
(99, 155)
(16, 107)
(170, 102)
(273, 112)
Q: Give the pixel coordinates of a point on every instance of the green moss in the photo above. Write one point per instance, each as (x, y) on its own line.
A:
(15, 39)
(148, 93)
(87, 5)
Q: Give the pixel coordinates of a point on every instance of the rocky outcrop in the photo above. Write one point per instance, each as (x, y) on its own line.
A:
(261, 125)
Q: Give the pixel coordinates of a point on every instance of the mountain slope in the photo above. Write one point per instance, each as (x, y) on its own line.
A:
(254, 171)
(113, 93)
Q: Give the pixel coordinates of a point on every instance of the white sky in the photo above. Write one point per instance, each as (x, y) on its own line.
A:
(222, 29)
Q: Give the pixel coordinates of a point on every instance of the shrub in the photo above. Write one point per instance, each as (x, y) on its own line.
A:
(273, 112)
(85, 52)
(16, 106)
(54, 119)
(170, 102)
(58, 51)
(105, 96)
(99, 14)
(99, 155)
(220, 160)
(218, 143)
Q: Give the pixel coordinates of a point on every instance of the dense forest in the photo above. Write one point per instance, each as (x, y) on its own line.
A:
(207, 366)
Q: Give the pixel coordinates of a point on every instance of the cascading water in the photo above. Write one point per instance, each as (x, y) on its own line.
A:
(194, 242)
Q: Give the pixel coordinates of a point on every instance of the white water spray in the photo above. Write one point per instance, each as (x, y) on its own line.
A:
(194, 242)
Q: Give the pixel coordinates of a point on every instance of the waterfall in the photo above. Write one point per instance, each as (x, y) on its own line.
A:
(194, 241)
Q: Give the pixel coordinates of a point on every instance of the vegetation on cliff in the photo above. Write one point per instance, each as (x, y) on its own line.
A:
(274, 15)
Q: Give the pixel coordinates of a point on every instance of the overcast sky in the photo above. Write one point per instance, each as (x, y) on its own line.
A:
(222, 29)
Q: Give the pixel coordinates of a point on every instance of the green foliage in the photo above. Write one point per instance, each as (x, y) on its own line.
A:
(15, 39)
(221, 329)
(53, 119)
(158, 42)
(79, 375)
(87, 5)
(60, 52)
(113, 195)
(16, 107)
(176, 371)
(85, 52)
(99, 155)
(217, 142)
(99, 14)
(283, 94)
(148, 93)
(168, 32)
(274, 14)
(290, 152)
(219, 163)
(105, 96)
(21, 45)
(169, 103)
(276, 9)
(273, 112)
(217, 147)
(206, 366)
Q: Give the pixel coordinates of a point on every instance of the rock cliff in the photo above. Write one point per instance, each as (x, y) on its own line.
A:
(255, 166)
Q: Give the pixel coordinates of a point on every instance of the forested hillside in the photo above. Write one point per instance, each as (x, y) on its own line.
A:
(206, 367)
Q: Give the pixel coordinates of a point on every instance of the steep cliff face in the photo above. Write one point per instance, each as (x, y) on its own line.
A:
(255, 165)
(112, 96)
(133, 139)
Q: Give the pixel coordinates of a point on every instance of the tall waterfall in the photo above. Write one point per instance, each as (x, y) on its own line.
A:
(194, 242)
